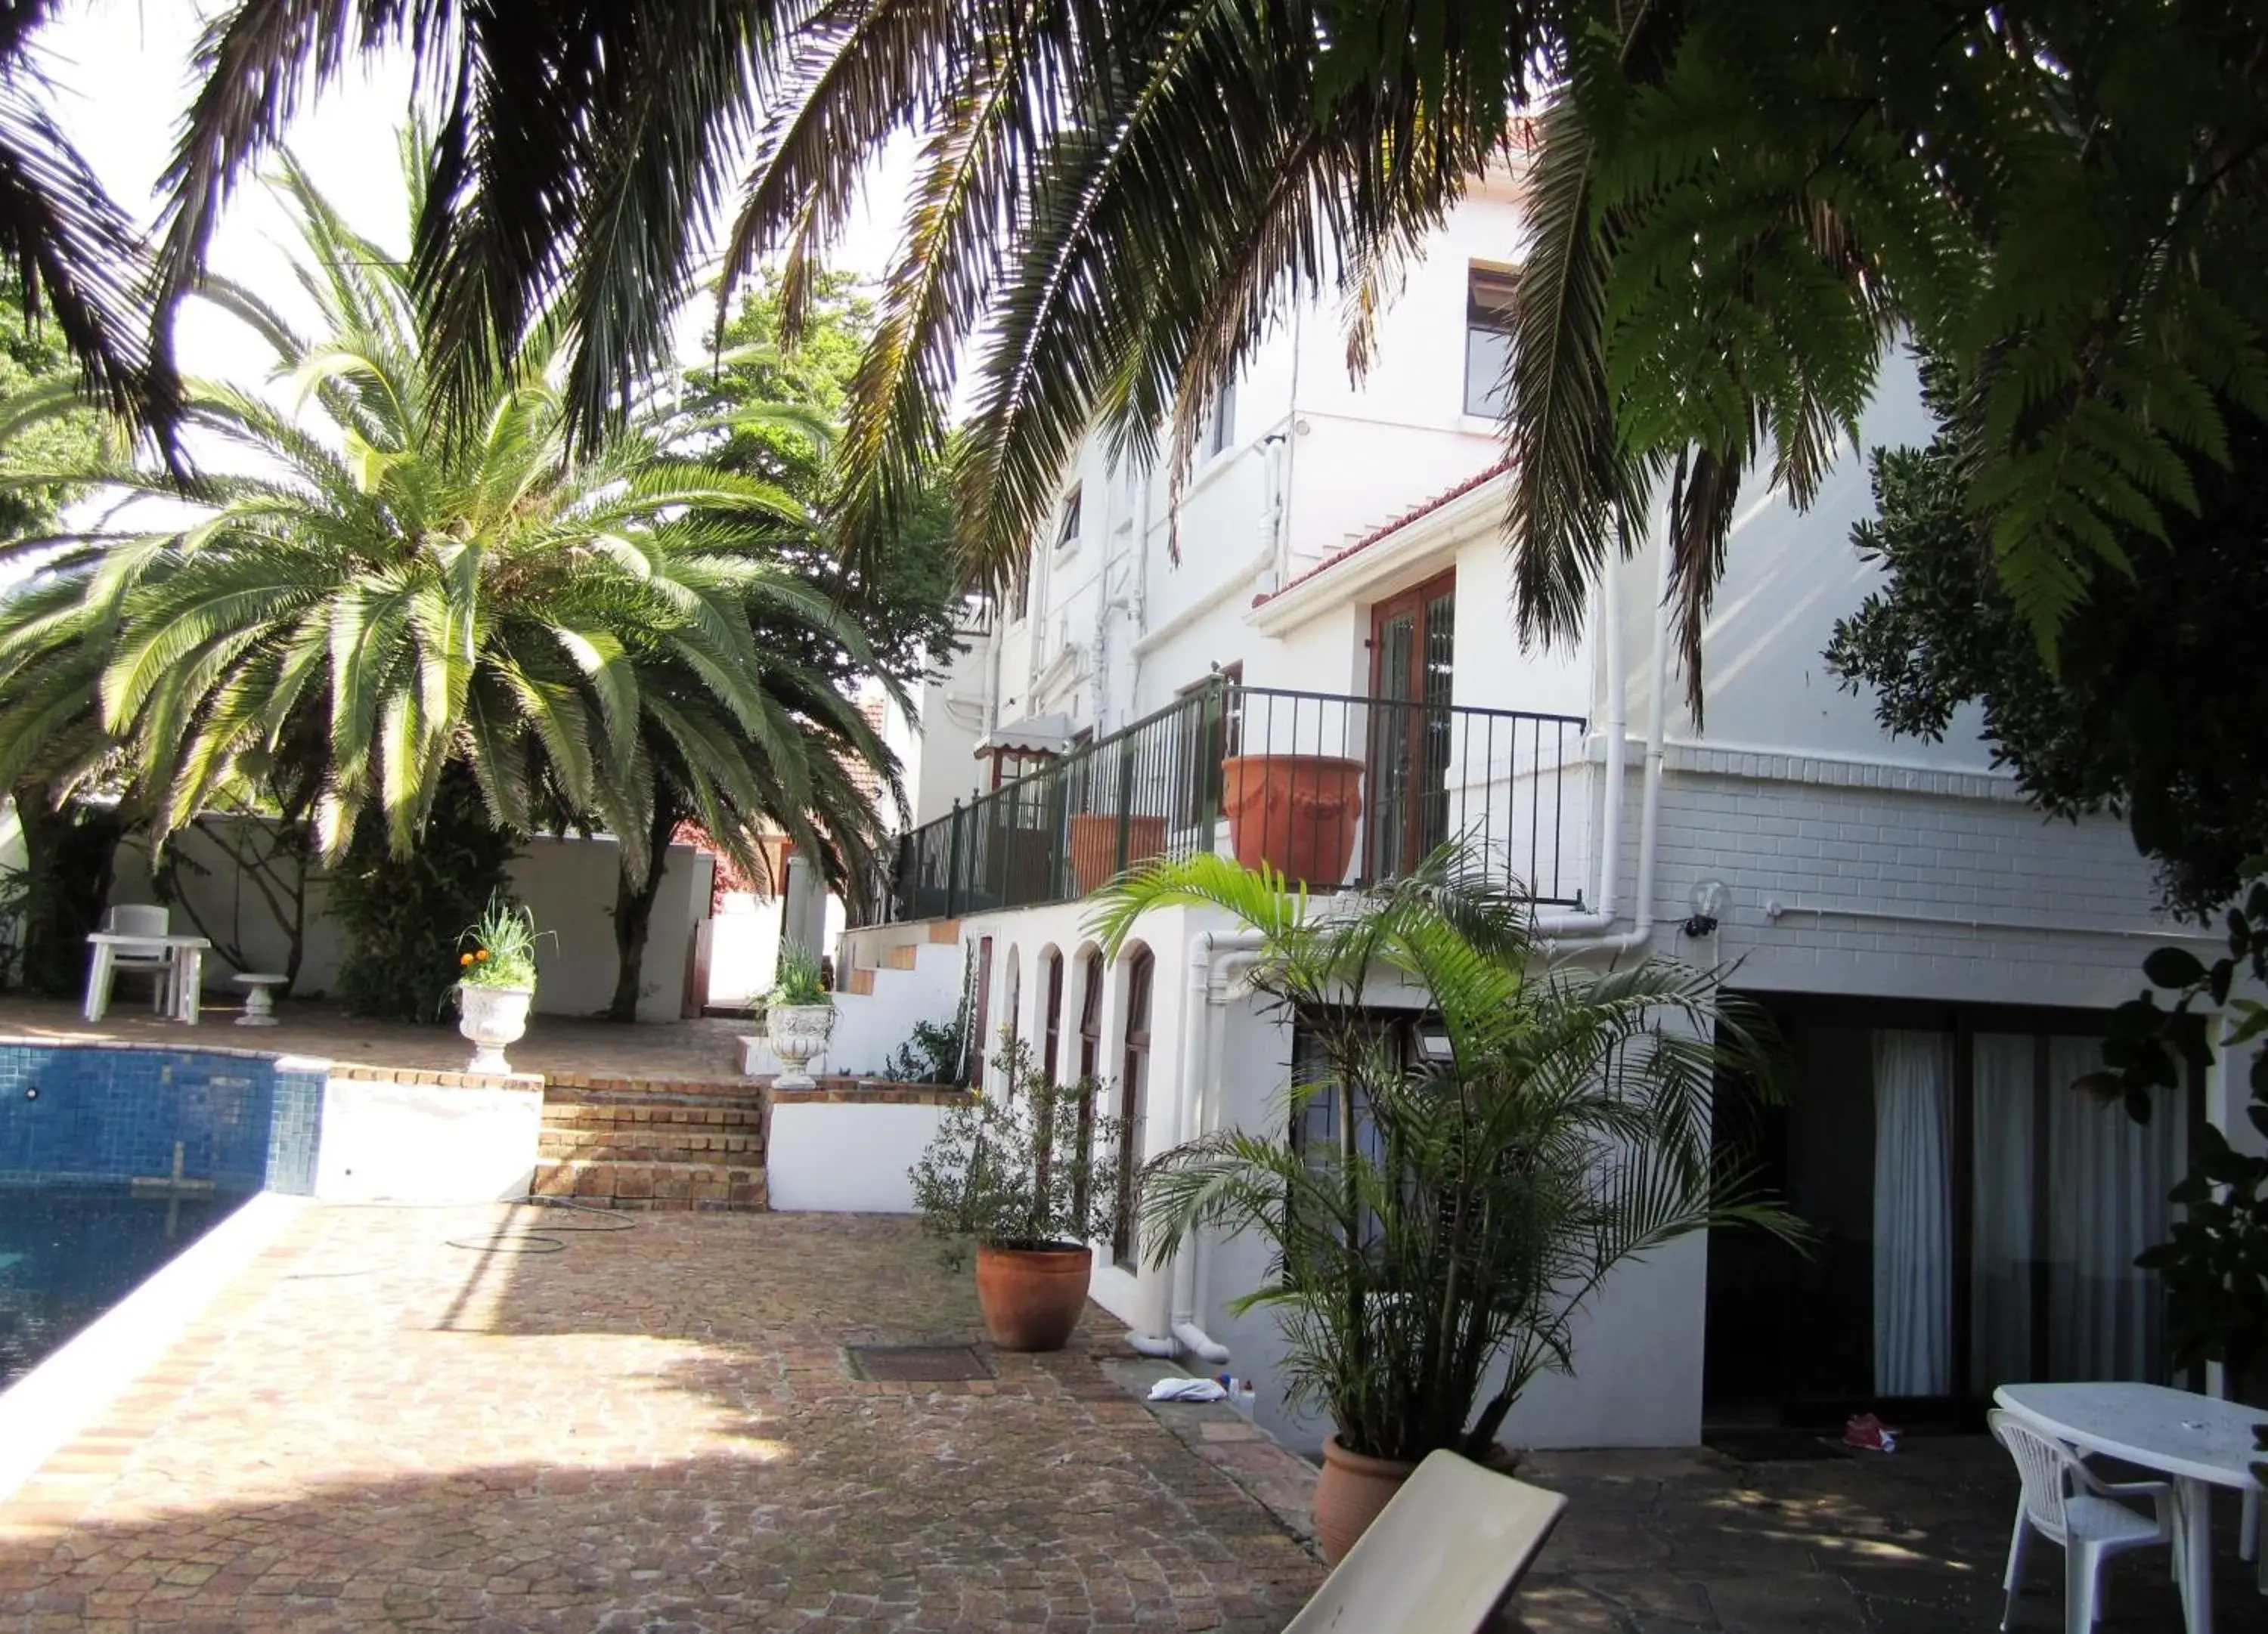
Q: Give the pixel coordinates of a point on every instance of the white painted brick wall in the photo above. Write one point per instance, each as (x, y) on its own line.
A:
(1897, 881)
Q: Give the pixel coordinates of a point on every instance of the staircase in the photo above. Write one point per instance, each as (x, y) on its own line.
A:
(659, 1146)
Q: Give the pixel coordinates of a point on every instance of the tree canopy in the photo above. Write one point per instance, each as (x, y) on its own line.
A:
(1734, 208)
(595, 641)
(903, 590)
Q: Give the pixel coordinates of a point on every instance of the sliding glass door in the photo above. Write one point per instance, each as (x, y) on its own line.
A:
(1977, 1219)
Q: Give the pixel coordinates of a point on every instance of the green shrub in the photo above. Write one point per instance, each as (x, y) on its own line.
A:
(405, 917)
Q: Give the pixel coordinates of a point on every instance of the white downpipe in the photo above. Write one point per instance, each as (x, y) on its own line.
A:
(1187, 1107)
(1193, 1286)
(1601, 917)
(1649, 821)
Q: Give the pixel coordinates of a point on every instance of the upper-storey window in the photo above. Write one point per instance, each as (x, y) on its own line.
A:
(1491, 299)
(1067, 526)
(1220, 422)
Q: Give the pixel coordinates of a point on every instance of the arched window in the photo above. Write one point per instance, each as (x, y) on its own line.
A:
(1090, 1063)
(1012, 1016)
(980, 1042)
(1133, 1098)
(1051, 980)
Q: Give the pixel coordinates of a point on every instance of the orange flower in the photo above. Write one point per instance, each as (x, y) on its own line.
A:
(464, 958)
(483, 954)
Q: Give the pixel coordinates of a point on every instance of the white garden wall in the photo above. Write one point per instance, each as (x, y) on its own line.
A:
(568, 883)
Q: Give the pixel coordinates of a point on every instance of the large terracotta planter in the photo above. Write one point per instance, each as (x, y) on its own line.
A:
(1296, 812)
(1354, 1487)
(1031, 1298)
(492, 1017)
(1351, 1491)
(1094, 846)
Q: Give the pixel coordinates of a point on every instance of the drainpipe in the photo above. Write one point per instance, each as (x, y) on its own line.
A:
(1180, 1330)
(1641, 932)
(1601, 917)
(1193, 1278)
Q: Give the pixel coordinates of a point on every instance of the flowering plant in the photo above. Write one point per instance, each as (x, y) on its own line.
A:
(503, 950)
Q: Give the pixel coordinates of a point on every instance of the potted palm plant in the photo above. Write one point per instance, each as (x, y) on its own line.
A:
(1431, 1255)
(799, 1016)
(495, 982)
(1016, 1173)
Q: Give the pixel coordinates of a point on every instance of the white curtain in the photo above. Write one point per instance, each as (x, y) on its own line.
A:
(2003, 1074)
(2108, 1177)
(1913, 1213)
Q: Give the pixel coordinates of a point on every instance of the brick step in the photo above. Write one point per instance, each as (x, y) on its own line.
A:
(650, 1143)
(712, 1188)
(745, 1110)
(651, 1091)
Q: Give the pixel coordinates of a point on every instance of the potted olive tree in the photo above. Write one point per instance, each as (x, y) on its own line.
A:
(1430, 1257)
(799, 1016)
(1015, 1171)
(495, 982)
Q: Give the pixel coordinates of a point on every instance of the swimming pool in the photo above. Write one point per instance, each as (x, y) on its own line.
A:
(69, 1252)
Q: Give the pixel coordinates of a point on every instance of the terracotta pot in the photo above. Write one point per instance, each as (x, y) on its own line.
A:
(1296, 812)
(1354, 1487)
(1031, 1298)
(1094, 847)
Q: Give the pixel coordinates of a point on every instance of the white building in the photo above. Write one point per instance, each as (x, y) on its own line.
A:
(1941, 955)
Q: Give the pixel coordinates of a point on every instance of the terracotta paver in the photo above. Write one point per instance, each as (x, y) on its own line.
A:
(651, 1428)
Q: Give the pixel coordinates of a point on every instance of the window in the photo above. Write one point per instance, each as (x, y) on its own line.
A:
(1090, 1061)
(979, 1042)
(1133, 1095)
(1491, 298)
(1220, 422)
(1067, 528)
(1051, 1020)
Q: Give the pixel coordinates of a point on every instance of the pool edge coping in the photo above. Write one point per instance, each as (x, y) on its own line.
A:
(49, 1407)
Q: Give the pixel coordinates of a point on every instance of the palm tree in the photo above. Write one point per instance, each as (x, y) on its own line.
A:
(1430, 1260)
(607, 641)
(1735, 209)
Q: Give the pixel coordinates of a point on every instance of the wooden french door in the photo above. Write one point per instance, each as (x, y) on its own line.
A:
(1412, 652)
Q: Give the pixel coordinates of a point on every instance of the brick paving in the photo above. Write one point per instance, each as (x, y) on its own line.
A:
(651, 1430)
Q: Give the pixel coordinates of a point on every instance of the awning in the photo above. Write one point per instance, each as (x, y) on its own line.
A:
(1034, 734)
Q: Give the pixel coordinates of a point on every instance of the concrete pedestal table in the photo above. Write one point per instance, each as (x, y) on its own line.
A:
(259, 997)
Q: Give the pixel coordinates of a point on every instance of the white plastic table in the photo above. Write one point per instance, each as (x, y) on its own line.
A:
(2199, 1440)
(186, 953)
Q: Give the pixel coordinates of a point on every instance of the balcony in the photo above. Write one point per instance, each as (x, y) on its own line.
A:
(1338, 791)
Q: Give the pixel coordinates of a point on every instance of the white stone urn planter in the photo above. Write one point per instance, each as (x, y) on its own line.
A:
(796, 1033)
(492, 1017)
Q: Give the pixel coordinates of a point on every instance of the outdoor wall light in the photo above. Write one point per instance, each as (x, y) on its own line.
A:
(1709, 900)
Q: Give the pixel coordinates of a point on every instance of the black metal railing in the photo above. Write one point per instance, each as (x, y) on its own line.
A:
(1330, 789)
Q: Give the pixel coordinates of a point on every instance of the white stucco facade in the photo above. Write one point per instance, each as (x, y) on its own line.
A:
(1857, 866)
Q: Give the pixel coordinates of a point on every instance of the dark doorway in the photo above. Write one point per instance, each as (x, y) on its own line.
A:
(1975, 1219)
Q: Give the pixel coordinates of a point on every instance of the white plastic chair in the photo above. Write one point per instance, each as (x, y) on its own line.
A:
(144, 919)
(2068, 1504)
